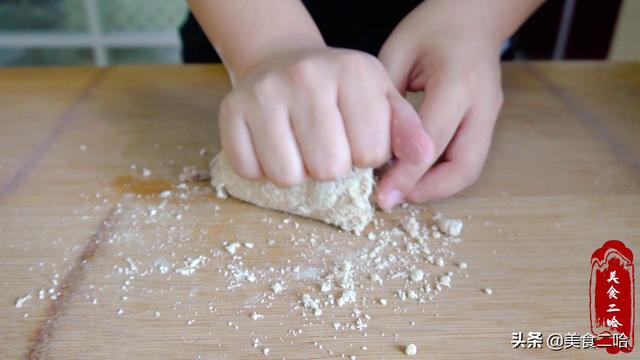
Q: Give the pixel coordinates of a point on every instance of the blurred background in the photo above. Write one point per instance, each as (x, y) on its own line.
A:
(90, 32)
(110, 32)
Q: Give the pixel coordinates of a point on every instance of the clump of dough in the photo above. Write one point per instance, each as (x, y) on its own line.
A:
(343, 202)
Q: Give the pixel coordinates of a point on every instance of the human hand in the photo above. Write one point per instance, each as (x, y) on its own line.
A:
(457, 66)
(318, 112)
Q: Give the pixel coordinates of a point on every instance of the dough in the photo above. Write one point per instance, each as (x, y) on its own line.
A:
(343, 202)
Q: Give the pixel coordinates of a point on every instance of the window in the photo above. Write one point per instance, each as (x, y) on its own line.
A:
(80, 32)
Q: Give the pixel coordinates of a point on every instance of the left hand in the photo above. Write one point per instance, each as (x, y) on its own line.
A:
(457, 65)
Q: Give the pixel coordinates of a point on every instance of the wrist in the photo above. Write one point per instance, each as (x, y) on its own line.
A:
(455, 22)
(271, 51)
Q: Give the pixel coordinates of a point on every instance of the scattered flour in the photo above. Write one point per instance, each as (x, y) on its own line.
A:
(404, 260)
(191, 265)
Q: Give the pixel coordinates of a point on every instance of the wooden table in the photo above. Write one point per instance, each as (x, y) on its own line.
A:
(563, 176)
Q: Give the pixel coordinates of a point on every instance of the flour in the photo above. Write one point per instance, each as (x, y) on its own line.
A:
(232, 247)
(416, 275)
(277, 288)
(21, 301)
(190, 265)
(347, 297)
(311, 303)
(279, 271)
(451, 227)
(411, 350)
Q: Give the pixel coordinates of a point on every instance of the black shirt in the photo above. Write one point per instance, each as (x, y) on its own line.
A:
(353, 24)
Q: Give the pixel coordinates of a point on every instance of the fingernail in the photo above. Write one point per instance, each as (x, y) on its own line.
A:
(392, 198)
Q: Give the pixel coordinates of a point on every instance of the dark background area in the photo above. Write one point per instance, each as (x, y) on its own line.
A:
(590, 29)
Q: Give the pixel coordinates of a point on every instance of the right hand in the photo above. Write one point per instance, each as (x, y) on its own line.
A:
(318, 113)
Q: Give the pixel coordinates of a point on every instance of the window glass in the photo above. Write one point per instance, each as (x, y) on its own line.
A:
(34, 15)
(142, 15)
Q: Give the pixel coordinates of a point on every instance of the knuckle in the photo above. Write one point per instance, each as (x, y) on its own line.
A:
(265, 85)
(369, 157)
(357, 63)
(329, 170)
(249, 172)
(302, 72)
(287, 179)
(243, 168)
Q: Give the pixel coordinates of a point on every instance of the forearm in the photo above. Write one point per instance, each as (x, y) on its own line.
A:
(245, 32)
(495, 20)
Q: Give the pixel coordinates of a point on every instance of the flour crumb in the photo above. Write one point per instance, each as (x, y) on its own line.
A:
(221, 193)
(445, 280)
(411, 350)
(162, 265)
(410, 226)
(256, 316)
(347, 297)
(311, 303)
(451, 227)
(488, 291)
(191, 265)
(416, 275)
(277, 287)
(232, 247)
(462, 265)
(21, 301)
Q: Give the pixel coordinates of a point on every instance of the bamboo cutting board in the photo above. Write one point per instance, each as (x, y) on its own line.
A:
(76, 217)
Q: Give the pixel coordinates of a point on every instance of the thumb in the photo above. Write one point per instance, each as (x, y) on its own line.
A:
(409, 141)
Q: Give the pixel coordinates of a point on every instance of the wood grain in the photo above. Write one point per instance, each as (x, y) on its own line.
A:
(563, 176)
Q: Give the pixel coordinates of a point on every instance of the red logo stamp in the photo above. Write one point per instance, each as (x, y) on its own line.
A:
(612, 297)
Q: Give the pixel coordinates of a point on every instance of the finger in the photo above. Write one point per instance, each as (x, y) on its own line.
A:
(440, 111)
(397, 68)
(465, 157)
(444, 106)
(367, 119)
(320, 132)
(276, 145)
(409, 140)
(236, 141)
